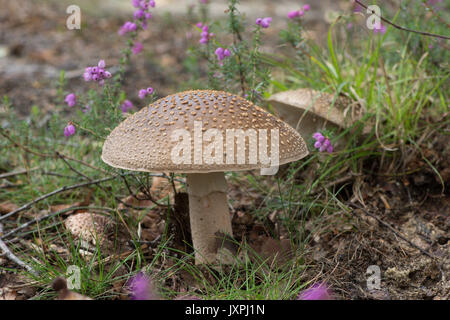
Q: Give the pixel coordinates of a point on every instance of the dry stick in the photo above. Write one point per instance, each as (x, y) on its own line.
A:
(403, 28)
(62, 156)
(72, 168)
(11, 256)
(48, 195)
(16, 173)
(149, 197)
(435, 14)
(50, 215)
(392, 229)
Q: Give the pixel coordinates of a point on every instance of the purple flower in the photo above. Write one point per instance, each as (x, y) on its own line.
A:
(141, 14)
(319, 291)
(306, 7)
(264, 22)
(137, 48)
(199, 25)
(205, 35)
(221, 53)
(322, 143)
(349, 25)
(71, 99)
(127, 27)
(318, 136)
(293, 14)
(69, 130)
(379, 29)
(101, 65)
(126, 105)
(142, 93)
(141, 288)
(138, 14)
(97, 73)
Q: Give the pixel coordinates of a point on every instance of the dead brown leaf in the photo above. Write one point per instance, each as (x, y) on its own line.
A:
(6, 207)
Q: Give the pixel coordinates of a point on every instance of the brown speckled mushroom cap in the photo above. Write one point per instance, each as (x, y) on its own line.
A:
(143, 142)
(319, 104)
(88, 226)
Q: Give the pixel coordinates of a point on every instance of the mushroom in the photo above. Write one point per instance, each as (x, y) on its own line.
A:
(203, 133)
(309, 111)
(89, 227)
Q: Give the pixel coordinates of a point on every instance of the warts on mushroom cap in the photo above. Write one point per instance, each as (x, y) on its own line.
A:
(143, 141)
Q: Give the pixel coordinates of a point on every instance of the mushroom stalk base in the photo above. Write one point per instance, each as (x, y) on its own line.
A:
(209, 215)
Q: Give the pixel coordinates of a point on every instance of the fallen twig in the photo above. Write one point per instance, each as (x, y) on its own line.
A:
(48, 195)
(11, 256)
(72, 168)
(16, 173)
(403, 28)
(50, 215)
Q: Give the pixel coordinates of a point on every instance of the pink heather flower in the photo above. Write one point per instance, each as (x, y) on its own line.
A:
(142, 93)
(138, 14)
(221, 53)
(141, 288)
(199, 25)
(205, 35)
(71, 99)
(322, 143)
(127, 27)
(380, 29)
(264, 22)
(149, 90)
(306, 7)
(293, 14)
(69, 130)
(349, 25)
(97, 73)
(141, 14)
(319, 291)
(137, 48)
(126, 105)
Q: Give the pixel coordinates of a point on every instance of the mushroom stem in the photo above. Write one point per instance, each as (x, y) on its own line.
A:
(209, 214)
